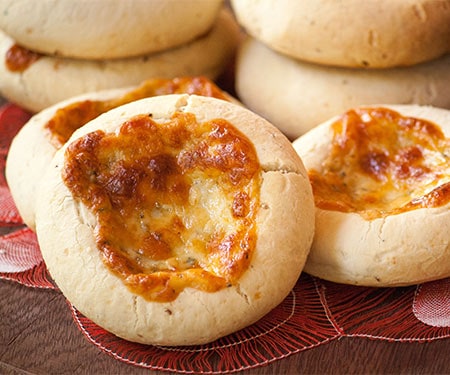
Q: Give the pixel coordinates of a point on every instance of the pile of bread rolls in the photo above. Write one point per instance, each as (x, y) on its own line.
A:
(306, 61)
(53, 50)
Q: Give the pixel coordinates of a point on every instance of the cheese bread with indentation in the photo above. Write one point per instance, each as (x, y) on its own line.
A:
(381, 182)
(175, 220)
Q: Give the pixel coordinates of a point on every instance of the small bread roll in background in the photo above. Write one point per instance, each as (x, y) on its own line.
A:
(296, 96)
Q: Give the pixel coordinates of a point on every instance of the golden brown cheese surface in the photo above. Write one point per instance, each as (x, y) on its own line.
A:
(382, 163)
(68, 119)
(175, 202)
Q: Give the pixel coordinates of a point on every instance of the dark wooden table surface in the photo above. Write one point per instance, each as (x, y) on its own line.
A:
(39, 336)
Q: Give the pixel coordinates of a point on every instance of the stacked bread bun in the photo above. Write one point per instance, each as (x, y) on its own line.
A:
(306, 61)
(54, 50)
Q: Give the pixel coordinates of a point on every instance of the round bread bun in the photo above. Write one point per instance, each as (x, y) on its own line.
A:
(403, 237)
(105, 29)
(50, 80)
(296, 96)
(283, 220)
(34, 146)
(350, 33)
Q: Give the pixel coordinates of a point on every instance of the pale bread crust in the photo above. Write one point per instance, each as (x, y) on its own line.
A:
(353, 33)
(296, 96)
(403, 249)
(50, 80)
(285, 229)
(105, 29)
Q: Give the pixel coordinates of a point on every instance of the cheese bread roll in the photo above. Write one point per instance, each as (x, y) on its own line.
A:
(381, 182)
(176, 219)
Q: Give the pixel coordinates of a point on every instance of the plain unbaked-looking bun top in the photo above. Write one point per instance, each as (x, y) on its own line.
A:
(350, 33)
(106, 29)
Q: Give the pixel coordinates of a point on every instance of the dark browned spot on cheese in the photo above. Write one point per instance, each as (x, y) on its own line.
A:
(175, 202)
(71, 117)
(18, 59)
(381, 163)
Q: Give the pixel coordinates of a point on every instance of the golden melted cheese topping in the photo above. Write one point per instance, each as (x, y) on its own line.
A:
(175, 202)
(381, 163)
(71, 117)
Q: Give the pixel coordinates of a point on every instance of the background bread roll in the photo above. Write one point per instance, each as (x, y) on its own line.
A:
(33, 148)
(50, 80)
(350, 33)
(400, 249)
(285, 225)
(106, 29)
(296, 96)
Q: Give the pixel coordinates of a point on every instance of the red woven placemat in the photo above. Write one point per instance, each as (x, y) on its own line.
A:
(314, 313)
